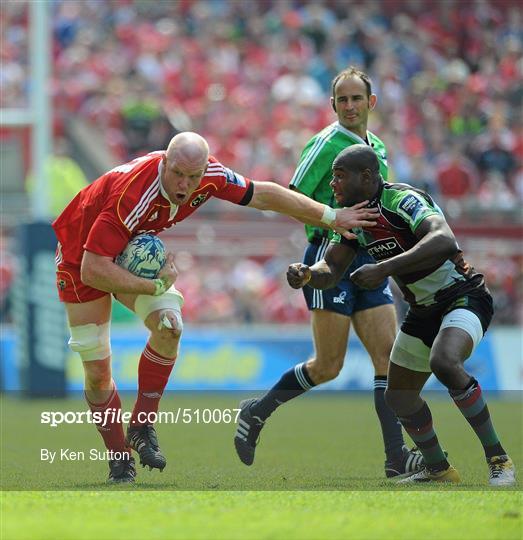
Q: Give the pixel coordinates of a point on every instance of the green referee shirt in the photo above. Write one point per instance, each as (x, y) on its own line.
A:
(314, 171)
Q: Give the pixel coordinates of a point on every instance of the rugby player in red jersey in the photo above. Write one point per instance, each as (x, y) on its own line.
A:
(149, 195)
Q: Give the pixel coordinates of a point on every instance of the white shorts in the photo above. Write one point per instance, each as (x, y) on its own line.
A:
(410, 352)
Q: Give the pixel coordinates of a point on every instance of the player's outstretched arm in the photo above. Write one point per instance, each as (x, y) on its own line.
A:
(103, 274)
(271, 196)
(437, 243)
(324, 274)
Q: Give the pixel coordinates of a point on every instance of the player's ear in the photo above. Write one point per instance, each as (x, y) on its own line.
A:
(373, 99)
(333, 104)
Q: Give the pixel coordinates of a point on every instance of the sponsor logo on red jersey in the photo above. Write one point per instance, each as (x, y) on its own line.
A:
(199, 199)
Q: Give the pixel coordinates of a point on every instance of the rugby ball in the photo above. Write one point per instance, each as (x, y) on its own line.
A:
(143, 256)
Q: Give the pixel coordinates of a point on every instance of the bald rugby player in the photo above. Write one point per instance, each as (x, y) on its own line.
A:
(148, 195)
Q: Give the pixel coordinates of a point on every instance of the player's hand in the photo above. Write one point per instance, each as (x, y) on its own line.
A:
(298, 275)
(356, 216)
(368, 276)
(168, 273)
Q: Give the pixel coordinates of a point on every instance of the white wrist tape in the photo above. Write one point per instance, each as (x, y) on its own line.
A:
(329, 216)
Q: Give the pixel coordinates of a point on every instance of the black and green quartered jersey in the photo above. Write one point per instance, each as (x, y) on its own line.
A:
(402, 208)
(314, 171)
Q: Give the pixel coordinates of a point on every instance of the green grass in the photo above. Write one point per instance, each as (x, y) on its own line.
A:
(318, 474)
(321, 442)
(267, 515)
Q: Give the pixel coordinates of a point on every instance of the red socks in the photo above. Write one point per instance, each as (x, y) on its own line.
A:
(153, 374)
(110, 425)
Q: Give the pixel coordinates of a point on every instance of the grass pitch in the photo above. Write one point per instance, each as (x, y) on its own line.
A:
(268, 515)
(318, 474)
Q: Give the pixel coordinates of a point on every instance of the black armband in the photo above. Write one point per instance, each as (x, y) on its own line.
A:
(248, 195)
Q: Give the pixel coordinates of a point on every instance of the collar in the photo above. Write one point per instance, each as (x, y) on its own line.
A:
(351, 134)
(174, 207)
(375, 200)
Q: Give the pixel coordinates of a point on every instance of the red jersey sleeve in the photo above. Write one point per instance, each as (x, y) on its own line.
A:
(130, 198)
(234, 187)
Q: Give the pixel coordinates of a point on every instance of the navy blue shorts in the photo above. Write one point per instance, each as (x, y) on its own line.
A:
(346, 298)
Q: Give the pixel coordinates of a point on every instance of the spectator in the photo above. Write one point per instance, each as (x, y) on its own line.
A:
(440, 73)
(495, 155)
(494, 193)
(456, 175)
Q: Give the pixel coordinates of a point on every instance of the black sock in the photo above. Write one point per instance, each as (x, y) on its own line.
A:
(390, 425)
(293, 383)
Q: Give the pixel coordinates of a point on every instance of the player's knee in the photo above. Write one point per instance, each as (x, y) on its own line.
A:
(151, 308)
(163, 332)
(166, 329)
(91, 341)
(323, 370)
(392, 399)
(401, 402)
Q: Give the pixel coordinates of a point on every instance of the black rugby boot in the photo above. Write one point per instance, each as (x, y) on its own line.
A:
(143, 439)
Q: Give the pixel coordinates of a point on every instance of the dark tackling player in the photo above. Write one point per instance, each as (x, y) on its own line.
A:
(450, 306)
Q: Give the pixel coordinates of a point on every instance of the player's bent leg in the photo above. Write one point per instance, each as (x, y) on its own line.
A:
(162, 317)
(452, 346)
(154, 369)
(92, 343)
(89, 326)
(398, 458)
(330, 333)
(403, 462)
(378, 343)
(403, 397)
(403, 389)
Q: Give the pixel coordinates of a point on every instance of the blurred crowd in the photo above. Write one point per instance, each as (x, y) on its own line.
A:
(254, 78)
(246, 289)
(229, 290)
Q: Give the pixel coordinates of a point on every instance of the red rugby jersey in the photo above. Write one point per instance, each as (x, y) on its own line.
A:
(127, 201)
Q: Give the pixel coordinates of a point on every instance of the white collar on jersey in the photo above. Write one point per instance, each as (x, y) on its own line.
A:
(174, 207)
(352, 135)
